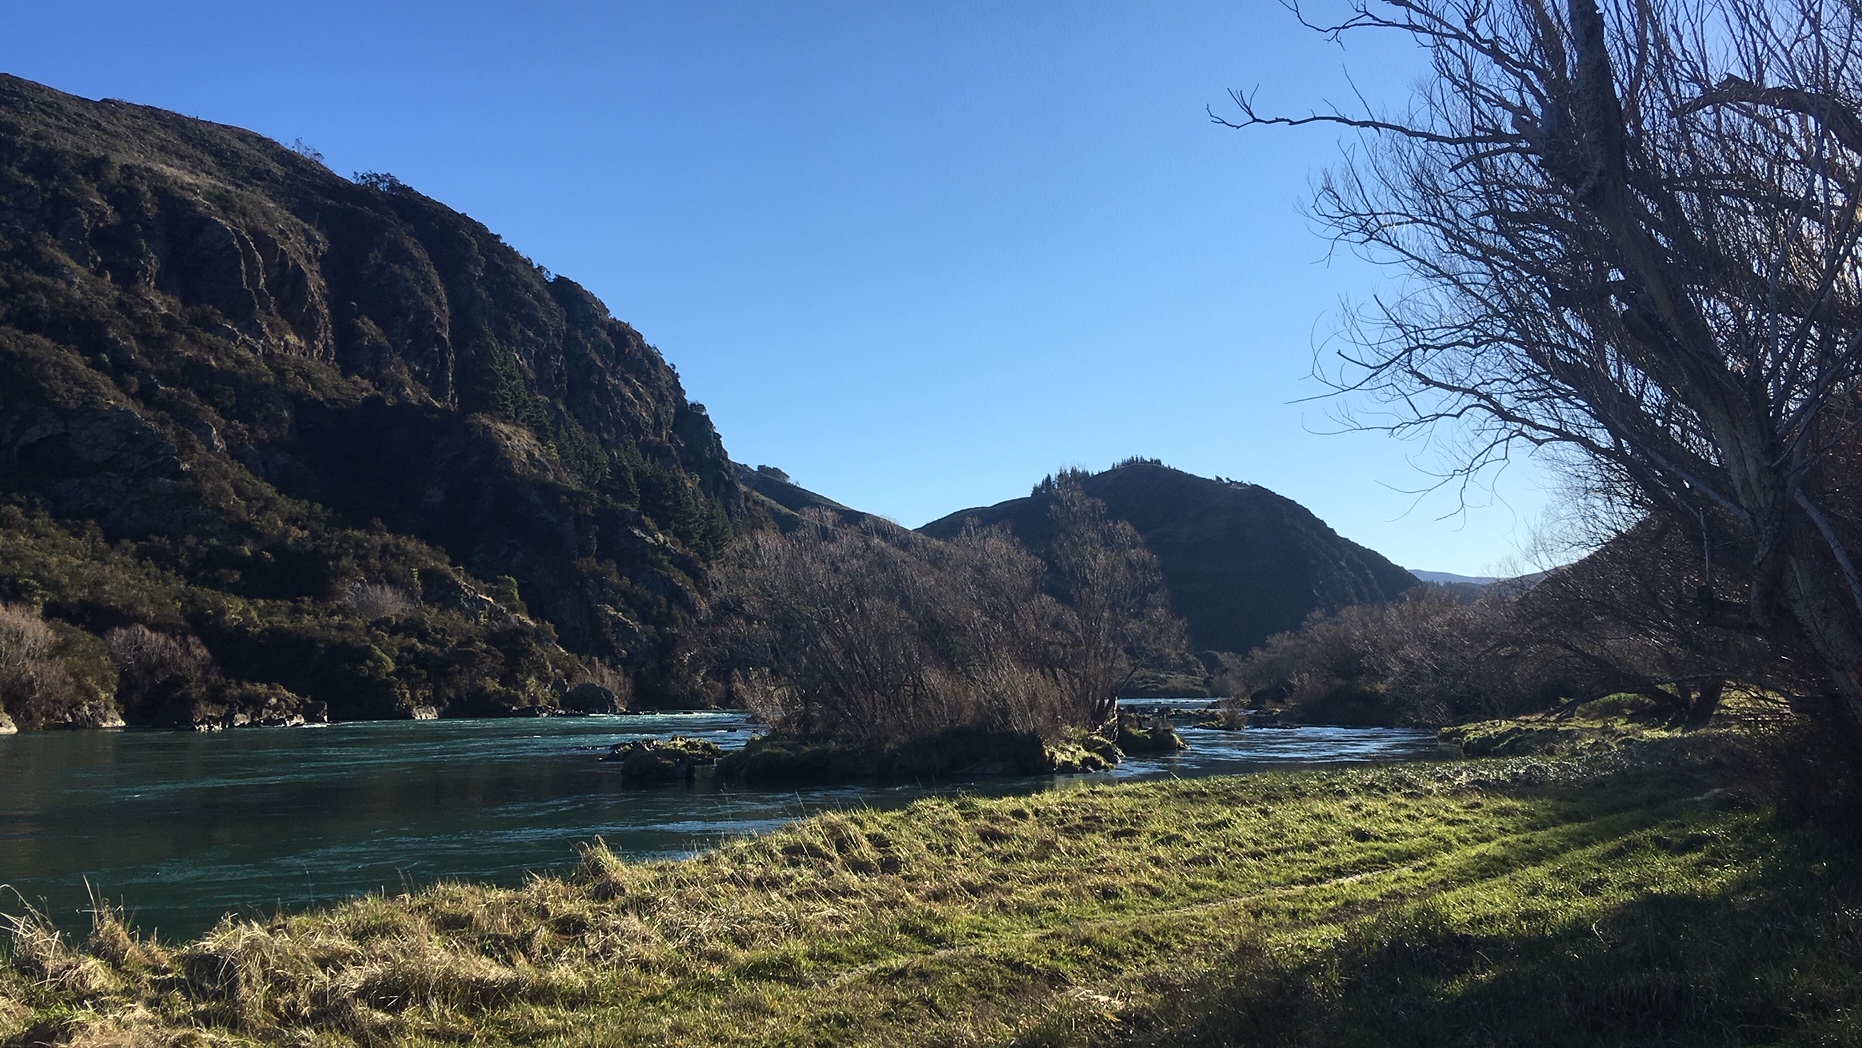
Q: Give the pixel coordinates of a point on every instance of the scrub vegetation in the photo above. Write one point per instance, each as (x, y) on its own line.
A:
(871, 650)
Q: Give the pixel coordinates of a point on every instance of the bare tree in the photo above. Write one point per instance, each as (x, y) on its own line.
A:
(1117, 610)
(153, 666)
(35, 686)
(375, 600)
(1629, 228)
(876, 636)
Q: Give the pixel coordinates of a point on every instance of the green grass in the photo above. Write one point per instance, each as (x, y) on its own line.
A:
(1624, 898)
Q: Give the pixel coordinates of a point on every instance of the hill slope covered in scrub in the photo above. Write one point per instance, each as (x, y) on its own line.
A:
(1241, 562)
(319, 434)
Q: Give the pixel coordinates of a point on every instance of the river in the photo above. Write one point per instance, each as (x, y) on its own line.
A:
(182, 828)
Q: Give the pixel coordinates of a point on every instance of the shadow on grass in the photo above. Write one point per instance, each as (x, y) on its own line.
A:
(1774, 957)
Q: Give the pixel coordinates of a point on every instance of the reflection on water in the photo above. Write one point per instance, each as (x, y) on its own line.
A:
(186, 827)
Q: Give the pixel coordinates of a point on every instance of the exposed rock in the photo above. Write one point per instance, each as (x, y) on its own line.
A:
(1226, 718)
(773, 760)
(589, 697)
(204, 431)
(216, 704)
(962, 753)
(258, 382)
(659, 761)
(1075, 759)
(1103, 748)
(88, 713)
(1151, 735)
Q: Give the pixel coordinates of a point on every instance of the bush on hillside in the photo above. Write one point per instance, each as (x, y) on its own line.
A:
(35, 687)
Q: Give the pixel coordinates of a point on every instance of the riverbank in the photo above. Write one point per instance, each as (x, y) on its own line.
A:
(185, 827)
(1624, 897)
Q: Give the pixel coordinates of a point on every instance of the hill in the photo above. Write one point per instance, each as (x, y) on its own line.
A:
(1449, 578)
(1241, 562)
(784, 501)
(334, 432)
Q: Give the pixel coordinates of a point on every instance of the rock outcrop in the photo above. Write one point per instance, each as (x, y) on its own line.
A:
(253, 384)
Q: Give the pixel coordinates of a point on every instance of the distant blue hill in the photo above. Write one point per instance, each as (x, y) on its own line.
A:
(1450, 577)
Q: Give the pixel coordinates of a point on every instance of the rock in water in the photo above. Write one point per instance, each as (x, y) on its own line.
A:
(656, 761)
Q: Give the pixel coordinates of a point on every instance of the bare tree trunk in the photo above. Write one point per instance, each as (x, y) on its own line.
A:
(1821, 608)
(1705, 703)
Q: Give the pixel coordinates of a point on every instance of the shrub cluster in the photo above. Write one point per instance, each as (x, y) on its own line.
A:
(357, 624)
(1625, 619)
(1419, 660)
(876, 637)
(35, 686)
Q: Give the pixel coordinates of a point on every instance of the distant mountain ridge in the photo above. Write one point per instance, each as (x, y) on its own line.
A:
(1448, 577)
(1241, 562)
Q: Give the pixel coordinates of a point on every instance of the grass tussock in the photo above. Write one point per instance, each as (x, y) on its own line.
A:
(1619, 898)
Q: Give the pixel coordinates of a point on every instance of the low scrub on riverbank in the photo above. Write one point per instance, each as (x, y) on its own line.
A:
(1641, 896)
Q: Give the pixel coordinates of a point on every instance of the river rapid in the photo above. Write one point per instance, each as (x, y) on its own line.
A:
(183, 828)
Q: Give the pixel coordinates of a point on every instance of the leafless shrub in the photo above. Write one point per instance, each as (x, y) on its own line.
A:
(876, 635)
(1621, 620)
(1426, 659)
(1115, 614)
(377, 600)
(34, 683)
(149, 662)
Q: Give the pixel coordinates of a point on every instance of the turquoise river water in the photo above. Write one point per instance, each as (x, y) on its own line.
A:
(184, 828)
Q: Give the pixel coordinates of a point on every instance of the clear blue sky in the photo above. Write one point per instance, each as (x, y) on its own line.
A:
(916, 254)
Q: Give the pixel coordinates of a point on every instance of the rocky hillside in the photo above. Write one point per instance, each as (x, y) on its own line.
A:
(1241, 562)
(333, 442)
(787, 504)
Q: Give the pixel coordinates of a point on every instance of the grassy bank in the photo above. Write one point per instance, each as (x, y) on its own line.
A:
(1607, 899)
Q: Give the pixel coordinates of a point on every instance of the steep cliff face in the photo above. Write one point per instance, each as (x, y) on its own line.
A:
(245, 372)
(1241, 562)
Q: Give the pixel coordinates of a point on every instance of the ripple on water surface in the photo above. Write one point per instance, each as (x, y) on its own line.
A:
(186, 827)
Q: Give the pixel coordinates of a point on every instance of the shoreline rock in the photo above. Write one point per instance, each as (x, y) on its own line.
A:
(1153, 735)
